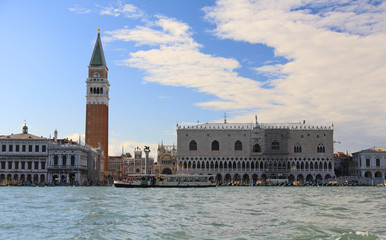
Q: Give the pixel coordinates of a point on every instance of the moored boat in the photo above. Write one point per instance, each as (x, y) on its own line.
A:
(166, 181)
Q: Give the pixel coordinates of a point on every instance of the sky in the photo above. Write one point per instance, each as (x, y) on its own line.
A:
(187, 62)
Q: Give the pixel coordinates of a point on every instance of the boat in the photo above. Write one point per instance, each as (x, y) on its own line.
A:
(166, 181)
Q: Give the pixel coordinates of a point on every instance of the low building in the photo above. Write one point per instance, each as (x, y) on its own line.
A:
(68, 162)
(343, 165)
(29, 159)
(119, 165)
(23, 158)
(371, 163)
(166, 160)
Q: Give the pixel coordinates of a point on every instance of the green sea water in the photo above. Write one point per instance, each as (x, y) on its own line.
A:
(211, 213)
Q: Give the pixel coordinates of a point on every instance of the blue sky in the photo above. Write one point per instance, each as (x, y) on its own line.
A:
(186, 61)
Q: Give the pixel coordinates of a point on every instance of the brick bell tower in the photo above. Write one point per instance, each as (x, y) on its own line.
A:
(97, 111)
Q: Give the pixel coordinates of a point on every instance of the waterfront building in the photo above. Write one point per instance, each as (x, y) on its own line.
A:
(97, 110)
(166, 160)
(247, 152)
(23, 158)
(371, 163)
(68, 162)
(343, 165)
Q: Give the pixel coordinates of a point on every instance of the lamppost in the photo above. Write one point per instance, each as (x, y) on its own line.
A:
(146, 150)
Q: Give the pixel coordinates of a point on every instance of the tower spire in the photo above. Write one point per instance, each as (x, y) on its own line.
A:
(98, 57)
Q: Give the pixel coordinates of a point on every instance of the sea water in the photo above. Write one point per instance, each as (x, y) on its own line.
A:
(210, 213)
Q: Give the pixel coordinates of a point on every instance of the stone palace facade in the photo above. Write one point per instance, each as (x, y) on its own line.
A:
(247, 152)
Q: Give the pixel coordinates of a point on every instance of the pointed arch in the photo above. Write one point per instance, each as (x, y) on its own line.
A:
(256, 148)
(215, 145)
(238, 145)
(192, 145)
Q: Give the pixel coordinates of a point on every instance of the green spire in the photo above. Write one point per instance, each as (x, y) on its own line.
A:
(98, 57)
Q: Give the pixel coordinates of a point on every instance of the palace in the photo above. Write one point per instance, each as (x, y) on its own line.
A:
(246, 152)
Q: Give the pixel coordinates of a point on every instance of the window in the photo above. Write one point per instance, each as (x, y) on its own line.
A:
(22, 165)
(64, 159)
(10, 148)
(378, 162)
(3, 148)
(238, 146)
(193, 145)
(36, 165)
(297, 148)
(101, 90)
(2, 165)
(321, 148)
(23, 148)
(36, 148)
(215, 146)
(275, 145)
(256, 148)
(17, 148)
(44, 148)
(56, 159)
(16, 165)
(29, 148)
(9, 165)
(43, 165)
(72, 160)
(367, 162)
(301, 136)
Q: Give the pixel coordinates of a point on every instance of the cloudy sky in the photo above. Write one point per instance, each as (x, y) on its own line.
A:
(192, 61)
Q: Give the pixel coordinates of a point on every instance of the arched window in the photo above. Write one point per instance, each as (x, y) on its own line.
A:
(297, 148)
(321, 148)
(238, 146)
(193, 145)
(90, 90)
(97, 90)
(275, 145)
(256, 148)
(56, 158)
(101, 91)
(215, 146)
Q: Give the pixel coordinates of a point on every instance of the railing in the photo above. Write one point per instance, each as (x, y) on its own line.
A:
(66, 166)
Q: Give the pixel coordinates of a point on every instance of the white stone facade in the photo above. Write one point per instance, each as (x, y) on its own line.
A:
(67, 163)
(246, 152)
(371, 163)
(23, 158)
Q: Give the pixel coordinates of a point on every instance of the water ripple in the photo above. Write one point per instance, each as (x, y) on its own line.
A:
(216, 213)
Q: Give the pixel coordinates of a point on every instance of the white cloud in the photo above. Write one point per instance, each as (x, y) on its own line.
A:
(75, 137)
(336, 58)
(119, 8)
(335, 70)
(79, 10)
(116, 147)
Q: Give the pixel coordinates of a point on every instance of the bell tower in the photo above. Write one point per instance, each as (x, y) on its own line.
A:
(97, 110)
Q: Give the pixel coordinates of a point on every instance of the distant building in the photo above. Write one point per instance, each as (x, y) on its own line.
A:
(68, 162)
(344, 165)
(166, 160)
(28, 159)
(23, 158)
(371, 163)
(246, 152)
(119, 165)
(137, 164)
